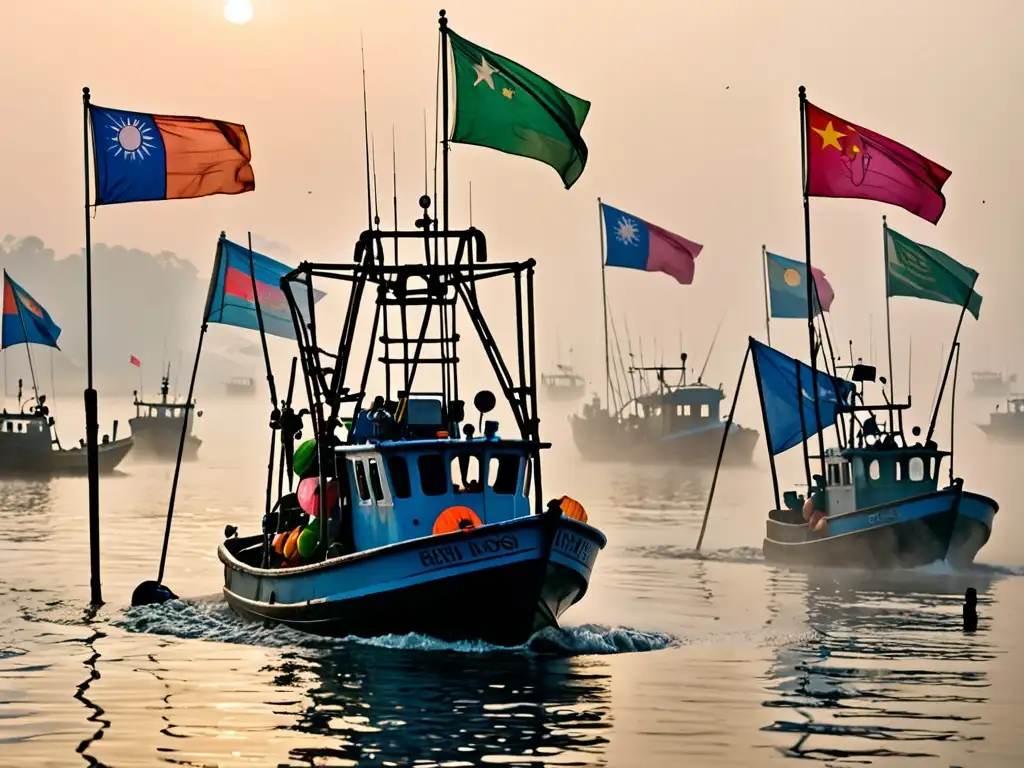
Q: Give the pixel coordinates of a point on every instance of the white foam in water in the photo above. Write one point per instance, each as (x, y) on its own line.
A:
(213, 620)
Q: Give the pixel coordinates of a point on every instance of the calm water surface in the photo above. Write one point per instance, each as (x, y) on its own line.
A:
(671, 659)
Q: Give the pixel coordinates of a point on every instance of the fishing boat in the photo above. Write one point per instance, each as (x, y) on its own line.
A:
(1006, 425)
(240, 386)
(29, 444)
(991, 383)
(434, 525)
(156, 426)
(678, 423)
(564, 385)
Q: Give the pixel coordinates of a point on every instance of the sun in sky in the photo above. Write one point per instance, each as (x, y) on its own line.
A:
(132, 138)
(238, 11)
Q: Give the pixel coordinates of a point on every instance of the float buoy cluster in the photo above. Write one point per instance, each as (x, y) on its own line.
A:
(299, 544)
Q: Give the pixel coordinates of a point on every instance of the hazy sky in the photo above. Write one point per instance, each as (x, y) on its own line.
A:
(694, 126)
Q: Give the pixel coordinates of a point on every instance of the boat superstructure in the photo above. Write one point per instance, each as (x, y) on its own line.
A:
(1006, 425)
(156, 426)
(433, 524)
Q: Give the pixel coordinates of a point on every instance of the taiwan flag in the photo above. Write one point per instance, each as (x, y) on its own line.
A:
(231, 300)
(634, 243)
(24, 319)
(142, 157)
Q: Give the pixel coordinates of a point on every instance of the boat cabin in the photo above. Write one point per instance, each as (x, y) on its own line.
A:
(25, 431)
(399, 484)
(865, 477)
(683, 409)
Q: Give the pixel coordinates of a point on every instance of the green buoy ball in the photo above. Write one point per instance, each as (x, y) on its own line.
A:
(305, 456)
(307, 542)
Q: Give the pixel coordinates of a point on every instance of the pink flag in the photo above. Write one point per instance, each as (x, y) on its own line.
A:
(845, 160)
(135, 361)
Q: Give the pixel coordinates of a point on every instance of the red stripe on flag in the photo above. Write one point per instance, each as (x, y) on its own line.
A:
(10, 308)
(135, 361)
(238, 284)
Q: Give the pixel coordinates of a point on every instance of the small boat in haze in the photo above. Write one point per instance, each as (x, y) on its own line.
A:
(1007, 425)
(29, 444)
(156, 427)
(240, 386)
(564, 385)
(678, 423)
(434, 525)
(991, 383)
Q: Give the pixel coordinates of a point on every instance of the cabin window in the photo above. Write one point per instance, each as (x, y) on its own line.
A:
(679, 410)
(503, 473)
(527, 477)
(361, 487)
(899, 471)
(466, 473)
(375, 484)
(705, 411)
(833, 474)
(399, 472)
(433, 474)
(874, 470)
(686, 410)
(846, 474)
(916, 469)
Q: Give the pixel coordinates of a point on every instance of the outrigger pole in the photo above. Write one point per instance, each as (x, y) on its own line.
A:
(721, 449)
(92, 426)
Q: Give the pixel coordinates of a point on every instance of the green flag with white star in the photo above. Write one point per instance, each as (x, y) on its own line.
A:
(504, 106)
(923, 272)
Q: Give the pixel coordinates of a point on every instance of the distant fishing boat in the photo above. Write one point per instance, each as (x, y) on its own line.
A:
(1006, 425)
(156, 426)
(564, 385)
(435, 526)
(677, 423)
(991, 383)
(29, 445)
(240, 386)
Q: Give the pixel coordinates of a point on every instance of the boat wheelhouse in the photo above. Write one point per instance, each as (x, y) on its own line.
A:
(563, 385)
(991, 383)
(156, 427)
(1006, 425)
(240, 386)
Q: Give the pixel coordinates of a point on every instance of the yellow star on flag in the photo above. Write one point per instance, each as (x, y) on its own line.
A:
(829, 136)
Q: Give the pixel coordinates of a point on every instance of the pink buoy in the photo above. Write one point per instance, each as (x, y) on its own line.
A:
(807, 511)
(309, 496)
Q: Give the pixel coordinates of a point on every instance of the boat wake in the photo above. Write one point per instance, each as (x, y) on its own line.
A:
(211, 619)
(673, 552)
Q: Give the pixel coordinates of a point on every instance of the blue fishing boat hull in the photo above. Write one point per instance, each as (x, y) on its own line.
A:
(973, 528)
(607, 440)
(498, 583)
(904, 534)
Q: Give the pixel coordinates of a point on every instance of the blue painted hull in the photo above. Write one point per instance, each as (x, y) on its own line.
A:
(491, 583)
(905, 534)
(973, 528)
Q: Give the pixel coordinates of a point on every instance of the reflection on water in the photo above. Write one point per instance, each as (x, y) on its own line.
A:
(892, 674)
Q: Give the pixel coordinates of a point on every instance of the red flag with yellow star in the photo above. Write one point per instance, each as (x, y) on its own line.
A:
(845, 160)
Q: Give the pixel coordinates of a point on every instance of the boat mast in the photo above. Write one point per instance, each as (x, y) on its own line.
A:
(810, 280)
(888, 323)
(604, 298)
(767, 311)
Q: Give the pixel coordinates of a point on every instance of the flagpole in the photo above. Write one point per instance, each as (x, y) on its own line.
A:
(809, 281)
(91, 410)
(604, 297)
(888, 324)
(443, 22)
(767, 311)
(949, 360)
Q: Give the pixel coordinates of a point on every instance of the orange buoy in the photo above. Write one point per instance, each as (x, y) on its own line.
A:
(572, 508)
(291, 544)
(808, 508)
(456, 519)
(279, 540)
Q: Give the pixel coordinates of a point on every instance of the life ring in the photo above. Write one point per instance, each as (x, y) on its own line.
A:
(572, 508)
(456, 519)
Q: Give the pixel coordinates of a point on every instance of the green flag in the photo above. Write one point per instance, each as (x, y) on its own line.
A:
(924, 273)
(504, 106)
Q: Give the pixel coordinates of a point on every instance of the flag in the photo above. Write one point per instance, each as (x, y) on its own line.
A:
(502, 105)
(845, 160)
(636, 244)
(160, 157)
(922, 272)
(787, 287)
(135, 361)
(24, 320)
(785, 386)
(231, 301)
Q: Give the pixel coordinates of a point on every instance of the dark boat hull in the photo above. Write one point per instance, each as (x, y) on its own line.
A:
(563, 394)
(158, 439)
(62, 462)
(905, 534)
(1010, 431)
(605, 440)
(489, 584)
(973, 528)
